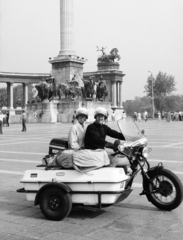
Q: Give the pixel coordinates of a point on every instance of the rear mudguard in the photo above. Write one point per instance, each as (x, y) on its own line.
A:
(147, 180)
(61, 186)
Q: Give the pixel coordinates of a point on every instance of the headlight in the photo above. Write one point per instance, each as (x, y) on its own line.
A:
(145, 152)
(121, 147)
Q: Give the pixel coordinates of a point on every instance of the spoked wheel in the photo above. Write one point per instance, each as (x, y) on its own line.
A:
(167, 192)
(55, 204)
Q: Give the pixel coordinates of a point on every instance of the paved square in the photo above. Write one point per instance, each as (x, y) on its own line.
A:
(134, 218)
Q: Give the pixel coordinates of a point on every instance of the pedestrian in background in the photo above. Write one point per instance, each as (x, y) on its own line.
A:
(139, 116)
(1, 122)
(7, 118)
(169, 117)
(124, 116)
(159, 116)
(23, 118)
(74, 118)
(146, 116)
(135, 116)
(113, 116)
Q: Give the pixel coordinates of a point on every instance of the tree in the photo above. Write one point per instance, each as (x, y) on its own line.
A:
(174, 103)
(138, 104)
(160, 87)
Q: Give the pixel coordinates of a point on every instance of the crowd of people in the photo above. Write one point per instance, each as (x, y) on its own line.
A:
(171, 116)
(138, 116)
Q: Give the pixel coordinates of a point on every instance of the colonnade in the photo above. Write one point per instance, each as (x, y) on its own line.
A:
(10, 94)
(117, 94)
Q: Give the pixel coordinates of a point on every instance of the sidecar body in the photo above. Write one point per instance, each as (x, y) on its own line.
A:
(97, 188)
(107, 182)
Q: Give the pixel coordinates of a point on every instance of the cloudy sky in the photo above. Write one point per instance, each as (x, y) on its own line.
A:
(147, 33)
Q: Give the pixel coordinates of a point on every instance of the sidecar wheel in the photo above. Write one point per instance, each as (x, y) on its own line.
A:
(168, 191)
(55, 204)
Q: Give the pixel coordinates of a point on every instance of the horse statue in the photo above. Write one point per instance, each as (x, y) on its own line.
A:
(101, 92)
(44, 91)
(105, 58)
(89, 90)
(70, 90)
(65, 89)
(114, 55)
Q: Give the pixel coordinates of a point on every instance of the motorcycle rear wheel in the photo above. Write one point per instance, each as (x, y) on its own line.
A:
(167, 193)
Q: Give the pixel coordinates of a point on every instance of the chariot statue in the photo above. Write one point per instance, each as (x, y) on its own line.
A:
(107, 58)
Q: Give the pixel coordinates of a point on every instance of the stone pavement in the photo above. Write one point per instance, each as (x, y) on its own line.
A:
(134, 218)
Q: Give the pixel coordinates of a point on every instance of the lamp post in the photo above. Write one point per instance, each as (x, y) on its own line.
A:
(152, 88)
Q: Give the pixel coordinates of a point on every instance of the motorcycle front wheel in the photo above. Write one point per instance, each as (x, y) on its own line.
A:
(166, 192)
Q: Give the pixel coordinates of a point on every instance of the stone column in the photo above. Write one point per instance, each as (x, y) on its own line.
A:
(25, 93)
(8, 94)
(114, 94)
(11, 108)
(120, 95)
(117, 94)
(66, 27)
(11, 96)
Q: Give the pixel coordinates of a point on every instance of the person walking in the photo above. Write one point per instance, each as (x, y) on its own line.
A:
(139, 117)
(7, 118)
(169, 116)
(23, 118)
(145, 116)
(159, 116)
(135, 116)
(124, 116)
(113, 116)
(1, 122)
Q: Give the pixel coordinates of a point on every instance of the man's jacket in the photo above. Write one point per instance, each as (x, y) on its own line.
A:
(96, 134)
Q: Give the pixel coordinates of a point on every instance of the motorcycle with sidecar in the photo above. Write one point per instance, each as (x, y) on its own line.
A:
(58, 190)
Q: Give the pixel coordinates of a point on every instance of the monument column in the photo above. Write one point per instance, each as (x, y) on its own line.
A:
(67, 63)
(66, 27)
(25, 93)
(120, 95)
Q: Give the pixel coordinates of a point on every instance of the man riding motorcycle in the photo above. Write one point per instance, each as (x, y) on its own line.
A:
(96, 134)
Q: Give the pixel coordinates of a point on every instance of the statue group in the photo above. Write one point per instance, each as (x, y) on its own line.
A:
(92, 90)
(107, 58)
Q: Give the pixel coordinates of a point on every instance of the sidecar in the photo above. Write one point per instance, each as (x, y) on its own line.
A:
(56, 191)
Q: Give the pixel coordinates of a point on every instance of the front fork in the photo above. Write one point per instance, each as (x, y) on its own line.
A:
(147, 180)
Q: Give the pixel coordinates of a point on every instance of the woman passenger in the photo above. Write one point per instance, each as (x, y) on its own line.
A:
(77, 131)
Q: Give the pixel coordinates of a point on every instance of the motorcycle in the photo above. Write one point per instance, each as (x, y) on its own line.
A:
(58, 190)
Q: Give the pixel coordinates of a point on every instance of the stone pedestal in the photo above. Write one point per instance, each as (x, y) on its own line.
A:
(49, 112)
(108, 66)
(66, 110)
(45, 112)
(64, 68)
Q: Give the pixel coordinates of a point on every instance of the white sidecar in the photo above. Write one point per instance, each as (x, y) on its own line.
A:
(56, 191)
(84, 188)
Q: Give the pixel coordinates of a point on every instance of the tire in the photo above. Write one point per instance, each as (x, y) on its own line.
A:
(55, 204)
(168, 193)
